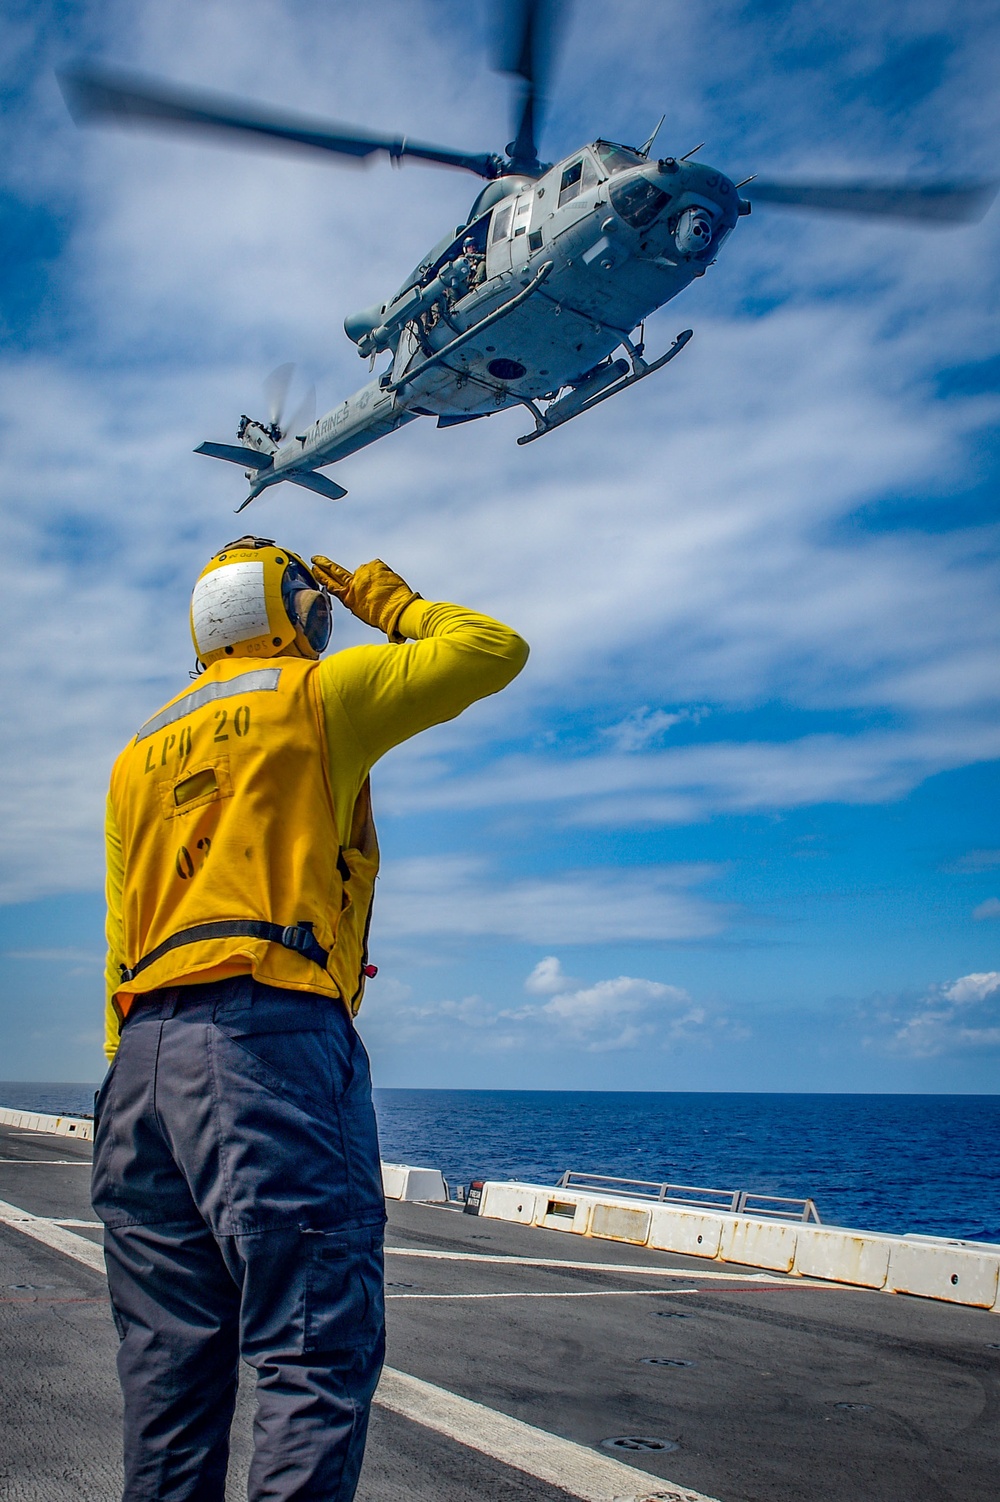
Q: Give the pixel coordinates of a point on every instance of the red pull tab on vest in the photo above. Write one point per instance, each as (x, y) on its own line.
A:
(371, 971)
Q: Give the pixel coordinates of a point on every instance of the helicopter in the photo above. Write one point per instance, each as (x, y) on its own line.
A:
(540, 297)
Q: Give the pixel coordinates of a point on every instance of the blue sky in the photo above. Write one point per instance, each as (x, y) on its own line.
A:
(735, 827)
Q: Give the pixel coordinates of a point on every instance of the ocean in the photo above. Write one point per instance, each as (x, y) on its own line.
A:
(896, 1163)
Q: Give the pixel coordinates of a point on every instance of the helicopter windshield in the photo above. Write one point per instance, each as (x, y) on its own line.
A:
(617, 158)
(639, 202)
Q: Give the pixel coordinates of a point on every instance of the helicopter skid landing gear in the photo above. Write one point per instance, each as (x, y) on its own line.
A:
(640, 369)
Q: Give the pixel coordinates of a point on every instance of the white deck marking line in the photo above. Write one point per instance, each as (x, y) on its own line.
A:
(627, 1293)
(70, 1222)
(57, 1237)
(689, 1274)
(560, 1462)
(50, 1162)
(599, 1293)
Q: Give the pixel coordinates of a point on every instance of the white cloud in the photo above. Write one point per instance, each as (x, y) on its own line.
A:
(959, 1016)
(585, 1007)
(458, 895)
(547, 976)
(969, 988)
(643, 727)
(686, 783)
(391, 990)
(988, 909)
(626, 1012)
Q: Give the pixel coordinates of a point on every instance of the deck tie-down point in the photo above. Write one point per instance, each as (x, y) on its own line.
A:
(638, 1442)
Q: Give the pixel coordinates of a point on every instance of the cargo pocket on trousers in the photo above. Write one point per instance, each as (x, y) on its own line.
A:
(120, 1324)
(344, 1301)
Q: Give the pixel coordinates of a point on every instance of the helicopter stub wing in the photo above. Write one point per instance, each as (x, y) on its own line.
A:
(98, 94)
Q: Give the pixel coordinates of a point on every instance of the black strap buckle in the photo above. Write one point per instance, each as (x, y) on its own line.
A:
(298, 936)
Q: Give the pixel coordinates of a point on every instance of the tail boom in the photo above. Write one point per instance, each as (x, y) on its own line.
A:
(371, 413)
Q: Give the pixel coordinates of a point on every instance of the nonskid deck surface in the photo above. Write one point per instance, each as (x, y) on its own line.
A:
(781, 1391)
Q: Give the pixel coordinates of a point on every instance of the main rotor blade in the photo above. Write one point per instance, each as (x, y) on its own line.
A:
(95, 94)
(943, 203)
(528, 36)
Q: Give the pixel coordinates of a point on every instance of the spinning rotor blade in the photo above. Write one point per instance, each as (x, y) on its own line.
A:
(276, 388)
(304, 415)
(944, 203)
(528, 38)
(95, 94)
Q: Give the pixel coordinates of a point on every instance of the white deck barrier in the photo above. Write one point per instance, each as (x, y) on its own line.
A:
(399, 1180)
(59, 1126)
(931, 1267)
(402, 1182)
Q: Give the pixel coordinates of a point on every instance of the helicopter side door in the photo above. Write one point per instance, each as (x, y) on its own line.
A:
(508, 242)
(519, 228)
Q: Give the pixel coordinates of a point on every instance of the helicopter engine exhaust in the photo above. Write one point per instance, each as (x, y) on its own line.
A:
(358, 325)
(694, 232)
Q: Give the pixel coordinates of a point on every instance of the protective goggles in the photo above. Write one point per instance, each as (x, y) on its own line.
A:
(308, 607)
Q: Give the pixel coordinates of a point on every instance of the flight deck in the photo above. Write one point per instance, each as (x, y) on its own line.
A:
(626, 1372)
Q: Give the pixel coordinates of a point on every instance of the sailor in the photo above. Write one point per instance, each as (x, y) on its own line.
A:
(236, 1163)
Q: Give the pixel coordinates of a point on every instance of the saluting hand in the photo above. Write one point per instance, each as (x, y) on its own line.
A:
(373, 592)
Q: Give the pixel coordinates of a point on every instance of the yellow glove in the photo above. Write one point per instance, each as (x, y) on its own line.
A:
(373, 592)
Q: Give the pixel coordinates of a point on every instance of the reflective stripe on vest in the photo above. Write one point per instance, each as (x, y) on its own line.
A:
(229, 838)
(262, 680)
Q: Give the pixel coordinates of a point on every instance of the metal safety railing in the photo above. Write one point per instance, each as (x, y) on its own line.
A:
(730, 1201)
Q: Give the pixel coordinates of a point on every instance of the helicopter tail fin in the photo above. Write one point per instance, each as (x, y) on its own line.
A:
(307, 478)
(249, 458)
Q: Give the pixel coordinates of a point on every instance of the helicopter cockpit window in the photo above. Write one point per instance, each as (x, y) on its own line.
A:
(570, 185)
(617, 158)
(501, 221)
(639, 202)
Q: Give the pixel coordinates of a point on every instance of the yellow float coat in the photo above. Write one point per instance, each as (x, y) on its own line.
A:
(247, 797)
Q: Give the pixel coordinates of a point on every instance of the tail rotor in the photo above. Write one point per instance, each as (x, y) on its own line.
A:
(276, 387)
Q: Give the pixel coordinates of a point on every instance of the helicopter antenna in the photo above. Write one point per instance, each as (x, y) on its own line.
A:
(645, 150)
(693, 152)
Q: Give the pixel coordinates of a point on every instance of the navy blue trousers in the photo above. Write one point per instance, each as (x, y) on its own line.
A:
(236, 1170)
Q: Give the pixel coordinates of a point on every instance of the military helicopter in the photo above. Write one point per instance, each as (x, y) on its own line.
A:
(529, 301)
